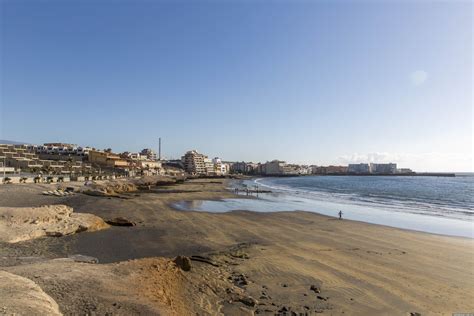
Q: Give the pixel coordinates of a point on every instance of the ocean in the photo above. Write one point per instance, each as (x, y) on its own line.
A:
(441, 205)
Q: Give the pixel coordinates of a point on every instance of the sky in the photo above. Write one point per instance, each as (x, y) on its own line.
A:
(315, 82)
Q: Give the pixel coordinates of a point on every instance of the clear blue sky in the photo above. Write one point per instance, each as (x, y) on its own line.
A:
(309, 82)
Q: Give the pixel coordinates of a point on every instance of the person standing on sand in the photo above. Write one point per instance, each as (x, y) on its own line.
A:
(340, 214)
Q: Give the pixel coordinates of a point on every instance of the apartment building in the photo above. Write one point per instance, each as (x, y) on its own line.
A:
(149, 154)
(358, 168)
(107, 159)
(329, 169)
(195, 163)
(220, 168)
(277, 167)
(24, 158)
(383, 168)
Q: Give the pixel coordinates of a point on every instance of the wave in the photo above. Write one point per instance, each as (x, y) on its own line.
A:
(392, 202)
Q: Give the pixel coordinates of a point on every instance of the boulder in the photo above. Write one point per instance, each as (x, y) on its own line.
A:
(315, 289)
(119, 221)
(184, 263)
(22, 296)
(249, 301)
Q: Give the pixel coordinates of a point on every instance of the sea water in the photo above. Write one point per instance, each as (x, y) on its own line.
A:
(441, 205)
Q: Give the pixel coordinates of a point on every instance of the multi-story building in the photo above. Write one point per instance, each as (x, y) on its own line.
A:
(239, 167)
(220, 168)
(107, 159)
(150, 154)
(358, 168)
(61, 149)
(24, 158)
(244, 167)
(405, 170)
(329, 170)
(277, 167)
(194, 163)
(383, 168)
(209, 165)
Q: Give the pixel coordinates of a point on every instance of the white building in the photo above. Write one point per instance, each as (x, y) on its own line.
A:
(209, 165)
(220, 168)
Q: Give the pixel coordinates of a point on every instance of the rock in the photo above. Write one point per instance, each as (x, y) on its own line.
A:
(184, 263)
(84, 259)
(54, 234)
(240, 255)
(26, 223)
(244, 311)
(120, 221)
(239, 279)
(284, 285)
(21, 296)
(248, 300)
(315, 289)
(284, 309)
(415, 314)
(322, 298)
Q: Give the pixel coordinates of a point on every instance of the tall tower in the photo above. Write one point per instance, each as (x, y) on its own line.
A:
(159, 148)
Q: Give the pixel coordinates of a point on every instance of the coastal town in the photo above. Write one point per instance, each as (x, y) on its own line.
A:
(56, 162)
(236, 158)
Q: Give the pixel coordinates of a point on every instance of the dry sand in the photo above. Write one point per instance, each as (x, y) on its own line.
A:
(264, 263)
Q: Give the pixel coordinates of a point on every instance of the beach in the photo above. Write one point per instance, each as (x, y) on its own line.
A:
(244, 262)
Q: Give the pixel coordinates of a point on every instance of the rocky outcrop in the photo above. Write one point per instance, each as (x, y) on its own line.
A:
(21, 296)
(109, 188)
(184, 263)
(25, 223)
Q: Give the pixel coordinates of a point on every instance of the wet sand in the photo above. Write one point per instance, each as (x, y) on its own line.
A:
(357, 268)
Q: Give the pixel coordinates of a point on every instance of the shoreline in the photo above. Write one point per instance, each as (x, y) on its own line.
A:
(411, 215)
(268, 261)
(173, 206)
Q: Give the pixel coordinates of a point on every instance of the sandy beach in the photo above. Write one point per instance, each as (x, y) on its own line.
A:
(242, 262)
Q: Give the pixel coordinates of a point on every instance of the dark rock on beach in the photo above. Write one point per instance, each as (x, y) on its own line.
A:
(184, 263)
(120, 221)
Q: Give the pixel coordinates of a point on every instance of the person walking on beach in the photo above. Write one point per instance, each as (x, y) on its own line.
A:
(340, 214)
